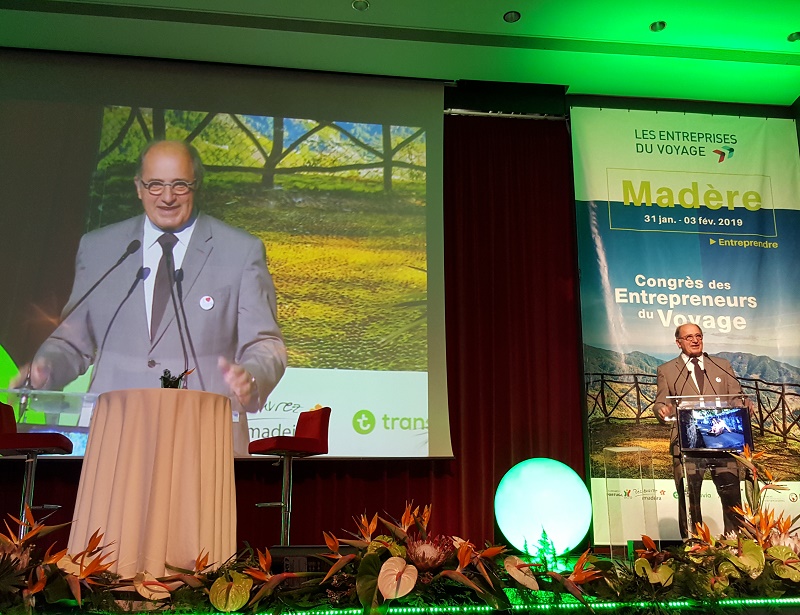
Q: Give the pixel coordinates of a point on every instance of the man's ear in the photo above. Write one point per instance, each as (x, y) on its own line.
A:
(138, 184)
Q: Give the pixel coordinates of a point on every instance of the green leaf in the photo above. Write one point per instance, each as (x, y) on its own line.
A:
(752, 559)
(662, 575)
(386, 542)
(787, 566)
(782, 553)
(230, 595)
(784, 571)
(367, 583)
(57, 590)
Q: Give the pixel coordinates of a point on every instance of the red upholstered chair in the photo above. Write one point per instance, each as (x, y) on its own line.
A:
(310, 438)
(31, 445)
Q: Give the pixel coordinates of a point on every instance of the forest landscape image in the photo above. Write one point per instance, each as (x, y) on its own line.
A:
(340, 207)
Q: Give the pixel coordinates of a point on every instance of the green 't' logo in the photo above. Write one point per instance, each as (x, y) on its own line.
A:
(363, 422)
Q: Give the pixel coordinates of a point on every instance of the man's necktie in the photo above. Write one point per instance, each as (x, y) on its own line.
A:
(161, 290)
(699, 376)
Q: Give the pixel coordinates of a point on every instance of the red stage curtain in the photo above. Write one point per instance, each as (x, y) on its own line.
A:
(513, 351)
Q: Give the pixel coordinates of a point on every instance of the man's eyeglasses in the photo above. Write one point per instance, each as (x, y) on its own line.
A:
(179, 187)
(691, 338)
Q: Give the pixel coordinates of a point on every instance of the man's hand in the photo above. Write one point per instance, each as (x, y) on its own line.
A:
(40, 371)
(666, 411)
(241, 383)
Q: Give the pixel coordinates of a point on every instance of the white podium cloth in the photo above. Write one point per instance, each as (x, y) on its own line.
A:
(157, 480)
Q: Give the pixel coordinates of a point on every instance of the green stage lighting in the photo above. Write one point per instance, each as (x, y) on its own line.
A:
(8, 369)
(542, 496)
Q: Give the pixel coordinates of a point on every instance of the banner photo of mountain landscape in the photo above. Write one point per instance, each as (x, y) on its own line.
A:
(684, 218)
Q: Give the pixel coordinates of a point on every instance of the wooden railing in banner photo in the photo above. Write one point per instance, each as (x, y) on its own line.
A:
(629, 398)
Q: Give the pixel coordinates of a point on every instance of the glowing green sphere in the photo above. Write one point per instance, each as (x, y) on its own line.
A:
(542, 495)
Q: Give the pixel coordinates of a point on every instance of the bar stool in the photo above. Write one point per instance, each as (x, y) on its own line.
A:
(31, 445)
(310, 438)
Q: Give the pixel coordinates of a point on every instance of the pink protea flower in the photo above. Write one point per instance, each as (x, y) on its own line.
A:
(429, 554)
(784, 539)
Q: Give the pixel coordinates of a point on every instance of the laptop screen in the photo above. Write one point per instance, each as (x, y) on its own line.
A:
(709, 430)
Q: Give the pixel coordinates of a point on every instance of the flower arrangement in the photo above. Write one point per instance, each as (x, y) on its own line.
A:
(760, 560)
(406, 564)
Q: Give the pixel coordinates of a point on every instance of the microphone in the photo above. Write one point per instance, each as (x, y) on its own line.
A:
(179, 287)
(24, 395)
(132, 248)
(710, 383)
(172, 278)
(141, 275)
(685, 363)
(683, 386)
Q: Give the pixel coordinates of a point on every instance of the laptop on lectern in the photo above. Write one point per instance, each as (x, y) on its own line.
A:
(713, 424)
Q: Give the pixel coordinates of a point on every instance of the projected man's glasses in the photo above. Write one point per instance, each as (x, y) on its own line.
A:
(689, 338)
(179, 188)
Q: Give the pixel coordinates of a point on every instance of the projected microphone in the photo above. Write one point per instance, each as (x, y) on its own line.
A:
(172, 278)
(141, 275)
(132, 248)
(179, 288)
(24, 395)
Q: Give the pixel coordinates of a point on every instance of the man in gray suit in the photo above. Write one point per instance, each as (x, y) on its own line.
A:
(696, 373)
(219, 317)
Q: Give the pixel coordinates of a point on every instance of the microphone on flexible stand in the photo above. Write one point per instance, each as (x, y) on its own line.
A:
(141, 275)
(25, 390)
(683, 386)
(179, 287)
(685, 363)
(24, 395)
(172, 277)
(710, 383)
(132, 248)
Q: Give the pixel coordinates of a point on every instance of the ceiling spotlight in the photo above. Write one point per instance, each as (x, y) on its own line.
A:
(657, 26)
(361, 5)
(793, 37)
(512, 17)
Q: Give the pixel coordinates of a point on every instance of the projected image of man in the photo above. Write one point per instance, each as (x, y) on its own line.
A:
(695, 373)
(184, 290)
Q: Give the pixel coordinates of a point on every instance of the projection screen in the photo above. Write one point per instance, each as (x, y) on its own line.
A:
(339, 175)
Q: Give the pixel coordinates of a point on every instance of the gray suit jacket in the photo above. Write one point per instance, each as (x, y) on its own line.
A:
(110, 329)
(675, 378)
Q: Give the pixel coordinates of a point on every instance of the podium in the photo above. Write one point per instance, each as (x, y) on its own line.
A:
(710, 428)
(157, 480)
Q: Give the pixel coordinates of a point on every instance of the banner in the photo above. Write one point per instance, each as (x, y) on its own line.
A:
(684, 218)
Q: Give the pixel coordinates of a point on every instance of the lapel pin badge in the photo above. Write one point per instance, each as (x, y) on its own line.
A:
(718, 379)
(206, 303)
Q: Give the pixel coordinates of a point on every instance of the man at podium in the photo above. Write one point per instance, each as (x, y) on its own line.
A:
(694, 373)
(170, 289)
